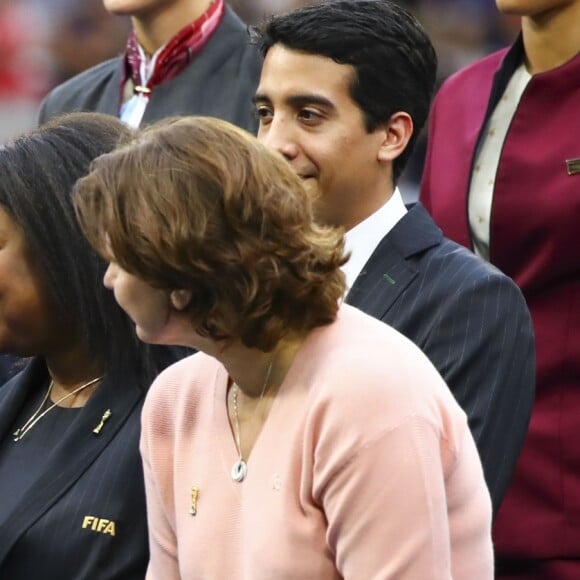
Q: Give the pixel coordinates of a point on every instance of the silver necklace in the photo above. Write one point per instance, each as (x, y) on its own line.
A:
(240, 467)
(38, 415)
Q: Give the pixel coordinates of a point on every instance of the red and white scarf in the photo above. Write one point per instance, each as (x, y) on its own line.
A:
(170, 60)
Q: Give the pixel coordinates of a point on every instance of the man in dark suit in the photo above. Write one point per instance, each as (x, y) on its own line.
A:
(345, 89)
(184, 57)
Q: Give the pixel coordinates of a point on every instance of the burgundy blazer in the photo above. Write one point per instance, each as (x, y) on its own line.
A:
(535, 222)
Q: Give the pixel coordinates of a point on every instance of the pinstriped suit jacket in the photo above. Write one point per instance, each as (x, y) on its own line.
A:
(87, 475)
(470, 320)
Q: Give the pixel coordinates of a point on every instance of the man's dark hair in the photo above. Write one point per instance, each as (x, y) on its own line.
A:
(38, 173)
(395, 63)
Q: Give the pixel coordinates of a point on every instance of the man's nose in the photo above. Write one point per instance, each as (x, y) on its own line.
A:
(279, 136)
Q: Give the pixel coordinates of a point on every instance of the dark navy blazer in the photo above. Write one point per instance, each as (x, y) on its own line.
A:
(85, 518)
(220, 82)
(470, 320)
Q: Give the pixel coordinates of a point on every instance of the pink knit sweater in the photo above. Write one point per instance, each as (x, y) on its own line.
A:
(365, 469)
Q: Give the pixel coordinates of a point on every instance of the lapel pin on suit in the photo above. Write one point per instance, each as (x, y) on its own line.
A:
(389, 279)
(573, 166)
(105, 417)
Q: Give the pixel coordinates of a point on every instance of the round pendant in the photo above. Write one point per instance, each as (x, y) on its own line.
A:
(239, 470)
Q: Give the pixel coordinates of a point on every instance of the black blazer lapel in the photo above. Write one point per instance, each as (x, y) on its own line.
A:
(381, 281)
(17, 391)
(390, 270)
(79, 449)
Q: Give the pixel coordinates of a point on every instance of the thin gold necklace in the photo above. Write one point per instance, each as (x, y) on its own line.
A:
(240, 467)
(37, 415)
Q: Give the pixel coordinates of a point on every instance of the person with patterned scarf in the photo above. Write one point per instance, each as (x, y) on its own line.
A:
(183, 57)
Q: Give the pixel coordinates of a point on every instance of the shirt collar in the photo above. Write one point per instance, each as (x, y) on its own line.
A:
(362, 240)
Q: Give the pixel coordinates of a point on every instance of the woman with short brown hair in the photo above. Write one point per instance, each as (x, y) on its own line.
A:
(185, 199)
(306, 440)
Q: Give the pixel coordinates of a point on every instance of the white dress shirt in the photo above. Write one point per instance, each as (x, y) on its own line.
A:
(132, 111)
(363, 239)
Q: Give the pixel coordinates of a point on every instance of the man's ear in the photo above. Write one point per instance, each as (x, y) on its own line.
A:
(180, 299)
(397, 133)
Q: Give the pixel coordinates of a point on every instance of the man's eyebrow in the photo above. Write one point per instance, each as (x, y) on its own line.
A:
(299, 100)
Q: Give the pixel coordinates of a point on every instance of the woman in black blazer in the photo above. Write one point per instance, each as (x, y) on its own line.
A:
(71, 484)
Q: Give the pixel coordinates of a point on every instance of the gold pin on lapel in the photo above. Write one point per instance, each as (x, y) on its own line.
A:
(106, 415)
(194, 496)
(573, 166)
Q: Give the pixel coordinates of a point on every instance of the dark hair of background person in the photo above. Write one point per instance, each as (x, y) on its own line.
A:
(394, 61)
(38, 173)
(222, 217)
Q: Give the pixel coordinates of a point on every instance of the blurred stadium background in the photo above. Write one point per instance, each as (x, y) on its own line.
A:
(43, 42)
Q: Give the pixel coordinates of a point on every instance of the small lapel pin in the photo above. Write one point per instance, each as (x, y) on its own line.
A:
(194, 496)
(389, 279)
(106, 415)
(573, 166)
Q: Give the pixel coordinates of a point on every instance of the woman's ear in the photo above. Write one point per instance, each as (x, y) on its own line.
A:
(180, 299)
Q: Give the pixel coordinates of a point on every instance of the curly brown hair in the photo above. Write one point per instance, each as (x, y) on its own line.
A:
(195, 203)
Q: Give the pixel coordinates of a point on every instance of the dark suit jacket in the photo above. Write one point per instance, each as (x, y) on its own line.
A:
(472, 323)
(219, 82)
(87, 475)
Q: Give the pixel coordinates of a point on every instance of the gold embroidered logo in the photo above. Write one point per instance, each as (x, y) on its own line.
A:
(100, 525)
